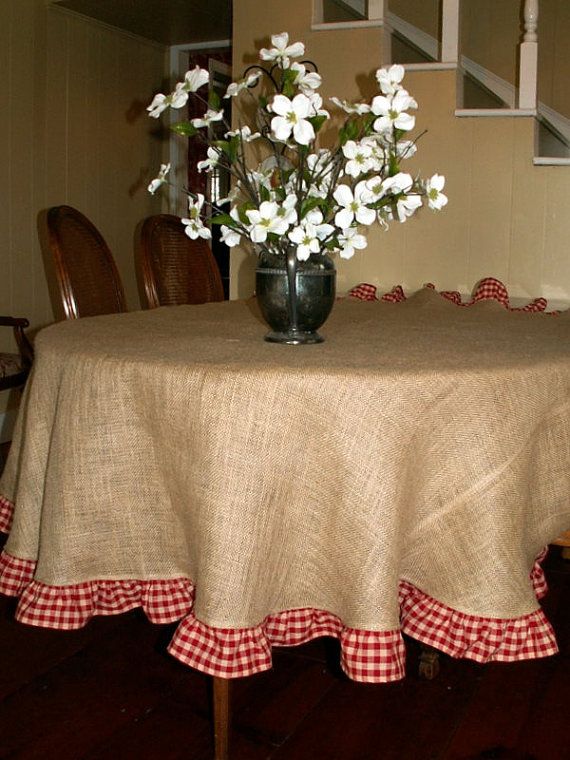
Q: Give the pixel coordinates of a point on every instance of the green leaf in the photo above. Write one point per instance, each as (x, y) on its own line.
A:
(348, 132)
(309, 204)
(317, 122)
(184, 128)
(214, 100)
(242, 209)
(352, 129)
(264, 193)
(367, 122)
(287, 82)
(222, 145)
(394, 167)
(223, 219)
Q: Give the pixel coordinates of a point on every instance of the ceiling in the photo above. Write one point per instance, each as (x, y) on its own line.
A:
(171, 22)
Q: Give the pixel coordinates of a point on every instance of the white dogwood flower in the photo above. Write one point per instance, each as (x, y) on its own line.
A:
(292, 118)
(359, 158)
(160, 180)
(306, 239)
(281, 51)
(209, 117)
(179, 97)
(245, 134)
(306, 81)
(267, 218)
(353, 206)
(309, 235)
(208, 163)
(349, 241)
(390, 80)
(391, 112)
(434, 186)
(230, 236)
(407, 205)
(358, 108)
(194, 226)
(195, 79)
(159, 104)
(236, 87)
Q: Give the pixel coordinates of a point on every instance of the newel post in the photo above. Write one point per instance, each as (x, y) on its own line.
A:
(449, 31)
(528, 63)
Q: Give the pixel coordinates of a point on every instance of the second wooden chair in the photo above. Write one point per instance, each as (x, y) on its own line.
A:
(174, 269)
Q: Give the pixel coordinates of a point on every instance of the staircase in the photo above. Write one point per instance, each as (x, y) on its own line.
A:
(481, 92)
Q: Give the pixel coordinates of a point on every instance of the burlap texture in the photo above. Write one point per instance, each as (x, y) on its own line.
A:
(421, 441)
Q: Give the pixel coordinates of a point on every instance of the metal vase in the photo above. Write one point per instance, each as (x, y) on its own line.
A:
(295, 297)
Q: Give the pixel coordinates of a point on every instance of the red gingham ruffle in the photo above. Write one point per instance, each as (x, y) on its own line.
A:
(367, 656)
(6, 514)
(474, 638)
(489, 288)
(15, 574)
(70, 607)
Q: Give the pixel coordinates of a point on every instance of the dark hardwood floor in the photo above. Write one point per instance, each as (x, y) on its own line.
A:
(110, 692)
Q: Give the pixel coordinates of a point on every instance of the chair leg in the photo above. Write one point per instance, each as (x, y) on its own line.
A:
(429, 662)
(221, 718)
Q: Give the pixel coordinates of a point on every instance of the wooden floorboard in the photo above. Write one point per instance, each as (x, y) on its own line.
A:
(111, 692)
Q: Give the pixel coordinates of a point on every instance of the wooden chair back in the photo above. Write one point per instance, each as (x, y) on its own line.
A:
(174, 269)
(88, 279)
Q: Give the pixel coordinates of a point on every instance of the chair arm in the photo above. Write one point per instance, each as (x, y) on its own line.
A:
(24, 345)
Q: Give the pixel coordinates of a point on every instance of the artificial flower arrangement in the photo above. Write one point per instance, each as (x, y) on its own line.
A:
(316, 200)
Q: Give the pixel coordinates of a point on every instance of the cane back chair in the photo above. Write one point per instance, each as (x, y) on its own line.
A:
(174, 269)
(88, 279)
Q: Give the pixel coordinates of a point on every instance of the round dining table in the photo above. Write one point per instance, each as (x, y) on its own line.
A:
(402, 477)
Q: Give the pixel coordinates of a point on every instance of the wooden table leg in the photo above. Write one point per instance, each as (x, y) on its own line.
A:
(221, 718)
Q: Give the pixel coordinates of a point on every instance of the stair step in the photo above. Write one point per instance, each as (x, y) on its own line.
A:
(494, 112)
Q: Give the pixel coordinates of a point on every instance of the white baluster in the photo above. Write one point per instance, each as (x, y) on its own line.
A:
(450, 31)
(529, 57)
(530, 21)
(376, 9)
(318, 12)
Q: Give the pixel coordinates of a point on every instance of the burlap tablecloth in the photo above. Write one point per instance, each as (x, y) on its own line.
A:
(420, 442)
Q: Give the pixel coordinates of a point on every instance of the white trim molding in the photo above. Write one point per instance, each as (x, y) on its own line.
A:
(422, 40)
(356, 24)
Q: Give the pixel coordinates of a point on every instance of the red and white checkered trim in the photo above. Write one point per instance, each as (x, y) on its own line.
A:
(489, 288)
(474, 638)
(364, 292)
(537, 577)
(367, 656)
(70, 607)
(6, 514)
(15, 574)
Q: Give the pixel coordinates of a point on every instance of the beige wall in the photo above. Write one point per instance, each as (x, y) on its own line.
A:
(490, 34)
(423, 14)
(74, 131)
(554, 55)
(506, 218)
